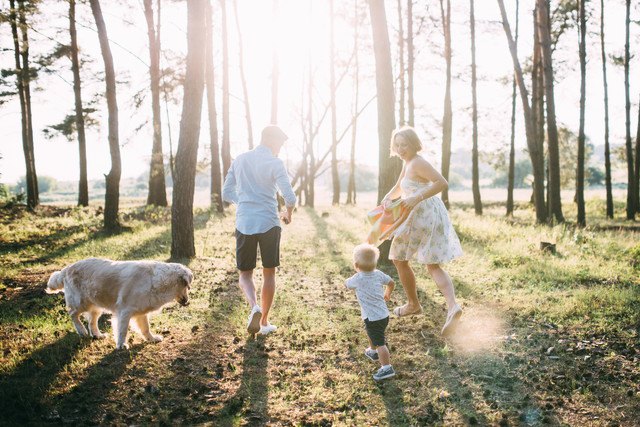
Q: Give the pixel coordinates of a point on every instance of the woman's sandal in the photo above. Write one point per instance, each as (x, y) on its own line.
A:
(402, 311)
(452, 321)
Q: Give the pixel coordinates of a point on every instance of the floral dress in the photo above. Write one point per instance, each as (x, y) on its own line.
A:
(427, 234)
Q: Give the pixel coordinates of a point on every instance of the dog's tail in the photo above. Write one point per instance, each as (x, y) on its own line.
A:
(56, 283)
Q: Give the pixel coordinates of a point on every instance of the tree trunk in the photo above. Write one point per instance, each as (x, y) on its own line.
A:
(637, 168)
(335, 177)
(538, 171)
(631, 206)
(112, 195)
(477, 202)
(582, 221)
(83, 187)
(214, 147)
(607, 149)
(537, 113)
(388, 168)
(512, 148)
(182, 239)
(226, 142)
(310, 177)
(22, 83)
(410, 103)
(351, 186)
(275, 72)
(447, 118)
(401, 115)
(544, 32)
(157, 190)
(243, 79)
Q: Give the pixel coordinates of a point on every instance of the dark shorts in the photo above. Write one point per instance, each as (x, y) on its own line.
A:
(247, 249)
(375, 331)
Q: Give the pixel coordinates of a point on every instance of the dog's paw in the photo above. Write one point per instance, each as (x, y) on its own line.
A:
(99, 336)
(122, 347)
(156, 338)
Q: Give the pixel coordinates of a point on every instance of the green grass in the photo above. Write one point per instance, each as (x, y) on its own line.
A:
(545, 339)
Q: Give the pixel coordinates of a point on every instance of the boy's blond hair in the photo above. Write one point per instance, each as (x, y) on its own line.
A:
(366, 256)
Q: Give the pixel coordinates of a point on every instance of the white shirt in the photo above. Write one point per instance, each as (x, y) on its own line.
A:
(369, 287)
(251, 183)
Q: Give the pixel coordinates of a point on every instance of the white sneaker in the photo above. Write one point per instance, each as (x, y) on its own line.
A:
(267, 329)
(253, 323)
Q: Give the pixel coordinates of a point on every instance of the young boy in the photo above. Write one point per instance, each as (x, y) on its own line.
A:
(369, 285)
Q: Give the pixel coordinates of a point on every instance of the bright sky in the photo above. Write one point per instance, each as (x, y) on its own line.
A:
(297, 35)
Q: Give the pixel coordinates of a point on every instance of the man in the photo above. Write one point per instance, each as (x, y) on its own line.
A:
(251, 184)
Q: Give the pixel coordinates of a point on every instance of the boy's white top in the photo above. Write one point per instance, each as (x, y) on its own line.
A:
(251, 184)
(369, 287)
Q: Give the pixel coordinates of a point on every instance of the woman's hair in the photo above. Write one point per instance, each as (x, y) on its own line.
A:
(410, 135)
(366, 256)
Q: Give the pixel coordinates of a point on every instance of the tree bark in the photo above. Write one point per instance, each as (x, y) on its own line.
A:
(512, 147)
(544, 32)
(538, 171)
(351, 186)
(637, 167)
(214, 147)
(112, 194)
(310, 175)
(607, 149)
(83, 187)
(477, 201)
(335, 177)
(389, 168)
(275, 71)
(447, 118)
(631, 206)
(22, 83)
(226, 142)
(582, 221)
(157, 189)
(410, 61)
(182, 238)
(243, 79)
(537, 112)
(401, 91)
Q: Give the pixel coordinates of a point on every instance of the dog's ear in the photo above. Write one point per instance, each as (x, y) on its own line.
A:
(186, 276)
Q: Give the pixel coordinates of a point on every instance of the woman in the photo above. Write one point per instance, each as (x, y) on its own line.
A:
(427, 234)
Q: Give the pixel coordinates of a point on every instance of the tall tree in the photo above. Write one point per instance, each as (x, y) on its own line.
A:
(447, 119)
(537, 115)
(544, 33)
(310, 178)
(112, 194)
(351, 186)
(157, 189)
(582, 221)
(214, 146)
(388, 168)
(243, 79)
(275, 71)
(631, 205)
(512, 147)
(410, 62)
(477, 201)
(182, 239)
(538, 170)
(401, 68)
(637, 167)
(83, 187)
(607, 149)
(335, 177)
(21, 55)
(226, 142)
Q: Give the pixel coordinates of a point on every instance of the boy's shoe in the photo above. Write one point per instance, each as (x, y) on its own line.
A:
(267, 329)
(384, 373)
(371, 354)
(253, 323)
